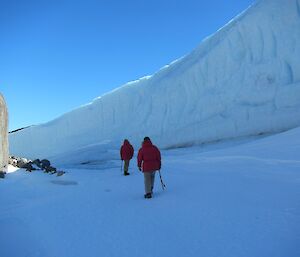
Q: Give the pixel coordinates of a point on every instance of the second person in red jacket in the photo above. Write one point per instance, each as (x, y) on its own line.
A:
(126, 153)
(149, 161)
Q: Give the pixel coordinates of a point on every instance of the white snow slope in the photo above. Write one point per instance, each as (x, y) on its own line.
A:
(238, 201)
(243, 80)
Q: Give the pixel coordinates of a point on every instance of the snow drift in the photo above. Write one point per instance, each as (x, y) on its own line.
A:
(243, 80)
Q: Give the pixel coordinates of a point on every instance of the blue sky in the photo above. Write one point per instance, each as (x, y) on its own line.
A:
(57, 55)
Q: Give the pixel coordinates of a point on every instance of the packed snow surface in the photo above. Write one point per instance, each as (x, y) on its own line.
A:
(236, 199)
(243, 80)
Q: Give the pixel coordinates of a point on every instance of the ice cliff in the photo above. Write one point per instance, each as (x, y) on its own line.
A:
(243, 80)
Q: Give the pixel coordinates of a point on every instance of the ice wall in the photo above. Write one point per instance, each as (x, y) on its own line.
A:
(243, 80)
(3, 135)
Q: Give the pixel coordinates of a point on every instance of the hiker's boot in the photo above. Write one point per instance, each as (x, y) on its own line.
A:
(126, 174)
(148, 195)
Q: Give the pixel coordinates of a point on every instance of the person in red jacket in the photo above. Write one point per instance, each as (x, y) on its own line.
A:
(148, 161)
(126, 153)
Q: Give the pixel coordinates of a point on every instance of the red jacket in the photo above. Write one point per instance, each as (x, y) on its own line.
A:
(149, 157)
(126, 150)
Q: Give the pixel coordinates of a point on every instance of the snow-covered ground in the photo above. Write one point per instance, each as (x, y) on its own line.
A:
(233, 199)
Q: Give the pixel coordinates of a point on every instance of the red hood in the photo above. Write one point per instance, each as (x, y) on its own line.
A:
(147, 143)
(126, 142)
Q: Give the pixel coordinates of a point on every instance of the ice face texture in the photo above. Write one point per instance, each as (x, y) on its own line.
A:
(243, 80)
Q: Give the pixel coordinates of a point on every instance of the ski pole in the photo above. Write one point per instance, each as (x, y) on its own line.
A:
(161, 181)
(122, 167)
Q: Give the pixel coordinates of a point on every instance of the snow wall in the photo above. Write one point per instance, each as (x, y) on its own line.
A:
(3, 135)
(243, 80)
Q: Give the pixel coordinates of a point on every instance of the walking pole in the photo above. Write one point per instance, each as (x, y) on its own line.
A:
(162, 183)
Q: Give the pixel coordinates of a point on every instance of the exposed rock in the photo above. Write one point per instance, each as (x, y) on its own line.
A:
(50, 169)
(37, 164)
(28, 166)
(21, 162)
(45, 163)
(60, 173)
